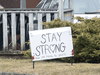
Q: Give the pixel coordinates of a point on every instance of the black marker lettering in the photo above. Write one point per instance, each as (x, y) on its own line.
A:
(59, 36)
(63, 47)
(47, 49)
(52, 47)
(48, 36)
(54, 37)
(44, 39)
(57, 47)
(42, 48)
(37, 51)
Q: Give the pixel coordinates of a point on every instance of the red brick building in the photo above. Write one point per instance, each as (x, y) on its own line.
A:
(16, 3)
(32, 3)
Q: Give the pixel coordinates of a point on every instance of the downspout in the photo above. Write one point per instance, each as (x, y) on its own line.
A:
(22, 4)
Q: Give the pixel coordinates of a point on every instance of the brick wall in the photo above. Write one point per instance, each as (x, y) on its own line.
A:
(32, 3)
(16, 3)
(10, 3)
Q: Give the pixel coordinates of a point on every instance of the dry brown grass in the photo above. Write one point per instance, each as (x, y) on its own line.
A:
(48, 68)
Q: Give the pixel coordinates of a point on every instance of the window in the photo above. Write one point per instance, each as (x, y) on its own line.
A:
(82, 6)
(54, 4)
(66, 4)
(46, 5)
(40, 4)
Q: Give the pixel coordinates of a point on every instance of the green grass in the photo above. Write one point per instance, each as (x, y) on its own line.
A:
(48, 68)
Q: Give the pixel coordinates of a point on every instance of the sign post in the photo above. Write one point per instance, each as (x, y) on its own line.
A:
(33, 64)
(71, 60)
(51, 43)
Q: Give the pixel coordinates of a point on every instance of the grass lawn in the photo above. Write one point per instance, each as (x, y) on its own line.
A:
(48, 68)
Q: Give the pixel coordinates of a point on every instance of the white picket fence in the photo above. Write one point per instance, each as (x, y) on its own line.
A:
(22, 25)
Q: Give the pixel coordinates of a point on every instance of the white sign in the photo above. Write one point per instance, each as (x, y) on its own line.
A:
(51, 43)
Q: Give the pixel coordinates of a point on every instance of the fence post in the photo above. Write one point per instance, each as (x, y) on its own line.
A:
(55, 15)
(39, 21)
(22, 30)
(5, 33)
(61, 12)
(13, 23)
(31, 26)
(48, 17)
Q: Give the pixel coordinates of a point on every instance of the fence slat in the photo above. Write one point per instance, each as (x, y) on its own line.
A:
(48, 17)
(31, 27)
(22, 29)
(13, 22)
(22, 26)
(5, 33)
(39, 21)
(55, 15)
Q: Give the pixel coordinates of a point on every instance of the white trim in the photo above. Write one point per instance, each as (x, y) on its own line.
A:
(28, 12)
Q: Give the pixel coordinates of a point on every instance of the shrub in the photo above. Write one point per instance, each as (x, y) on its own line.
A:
(86, 38)
(27, 53)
